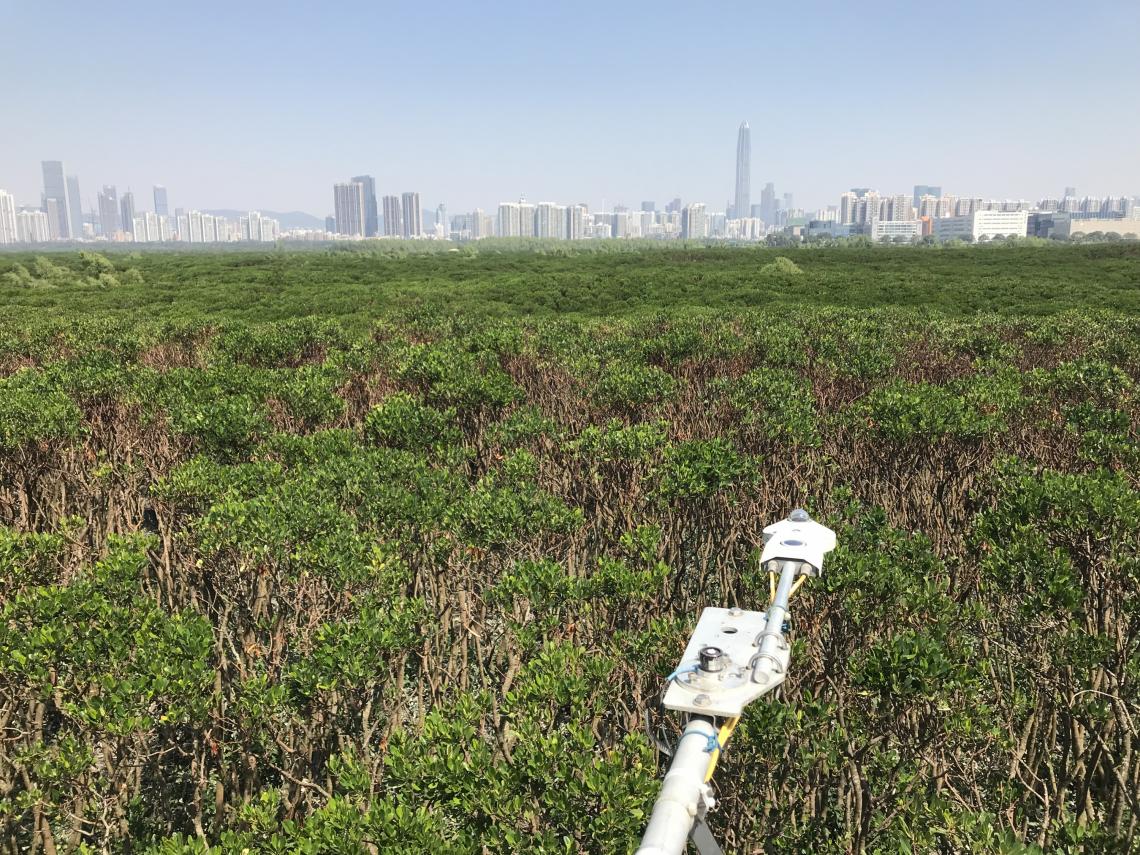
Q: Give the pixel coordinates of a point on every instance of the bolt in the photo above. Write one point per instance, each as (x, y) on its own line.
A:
(702, 700)
(736, 611)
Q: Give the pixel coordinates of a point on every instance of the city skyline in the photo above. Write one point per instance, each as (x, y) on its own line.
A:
(471, 130)
(926, 213)
(61, 189)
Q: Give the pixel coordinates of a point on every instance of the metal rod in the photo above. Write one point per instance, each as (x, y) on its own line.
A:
(684, 794)
(772, 638)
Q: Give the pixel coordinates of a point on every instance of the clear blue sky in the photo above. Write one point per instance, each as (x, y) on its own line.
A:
(251, 104)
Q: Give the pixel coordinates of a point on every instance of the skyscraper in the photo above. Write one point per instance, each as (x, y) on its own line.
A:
(509, 219)
(371, 217)
(901, 208)
(55, 187)
(921, 190)
(109, 211)
(161, 207)
(743, 171)
(9, 233)
(550, 221)
(76, 206)
(127, 211)
(576, 222)
(413, 221)
(348, 203)
(693, 222)
(768, 203)
(848, 203)
(393, 218)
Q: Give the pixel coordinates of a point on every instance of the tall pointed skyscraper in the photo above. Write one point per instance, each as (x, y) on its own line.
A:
(743, 207)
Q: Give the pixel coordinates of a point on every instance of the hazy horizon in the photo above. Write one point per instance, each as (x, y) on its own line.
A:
(266, 106)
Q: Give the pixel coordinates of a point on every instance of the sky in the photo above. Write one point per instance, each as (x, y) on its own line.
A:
(266, 105)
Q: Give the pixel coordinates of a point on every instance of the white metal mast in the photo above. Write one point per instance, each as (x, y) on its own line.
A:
(733, 657)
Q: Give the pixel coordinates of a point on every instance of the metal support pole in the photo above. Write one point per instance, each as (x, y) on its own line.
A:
(684, 794)
(713, 680)
(772, 638)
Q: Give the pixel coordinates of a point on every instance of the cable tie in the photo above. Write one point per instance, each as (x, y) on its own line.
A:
(713, 741)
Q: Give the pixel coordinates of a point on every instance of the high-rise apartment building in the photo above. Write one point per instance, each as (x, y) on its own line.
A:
(742, 200)
(144, 227)
(55, 188)
(550, 221)
(476, 224)
(576, 222)
(9, 232)
(161, 205)
(371, 214)
(509, 219)
(768, 203)
(348, 203)
(193, 232)
(410, 210)
(254, 227)
(526, 219)
(56, 220)
(109, 211)
(848, 203)
(76, 206)
(393, 217)
(694, 225)
(127, 211)
(33, 227)
(902, 209)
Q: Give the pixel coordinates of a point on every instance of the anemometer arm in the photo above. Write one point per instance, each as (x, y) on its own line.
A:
(733, 658)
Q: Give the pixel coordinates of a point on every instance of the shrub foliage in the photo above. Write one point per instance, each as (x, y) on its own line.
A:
(414, 584)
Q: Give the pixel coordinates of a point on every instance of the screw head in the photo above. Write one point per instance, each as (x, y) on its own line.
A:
(702, 700)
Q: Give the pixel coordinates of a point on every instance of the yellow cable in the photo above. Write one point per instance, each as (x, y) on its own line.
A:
(771, 587)
(796, 586)
(722, 739)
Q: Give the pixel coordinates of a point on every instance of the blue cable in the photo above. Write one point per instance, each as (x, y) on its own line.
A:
(681, 671)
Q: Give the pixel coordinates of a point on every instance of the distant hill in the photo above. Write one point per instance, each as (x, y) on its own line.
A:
(288, 219)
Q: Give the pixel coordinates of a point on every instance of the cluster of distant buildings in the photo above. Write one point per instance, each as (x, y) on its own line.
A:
(860, 212)
(928, 212)
(358, 213)
(59, 216)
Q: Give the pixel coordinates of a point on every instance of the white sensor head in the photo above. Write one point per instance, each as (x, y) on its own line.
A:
(798, 538)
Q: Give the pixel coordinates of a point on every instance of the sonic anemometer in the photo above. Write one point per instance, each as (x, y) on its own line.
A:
(733, 657)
